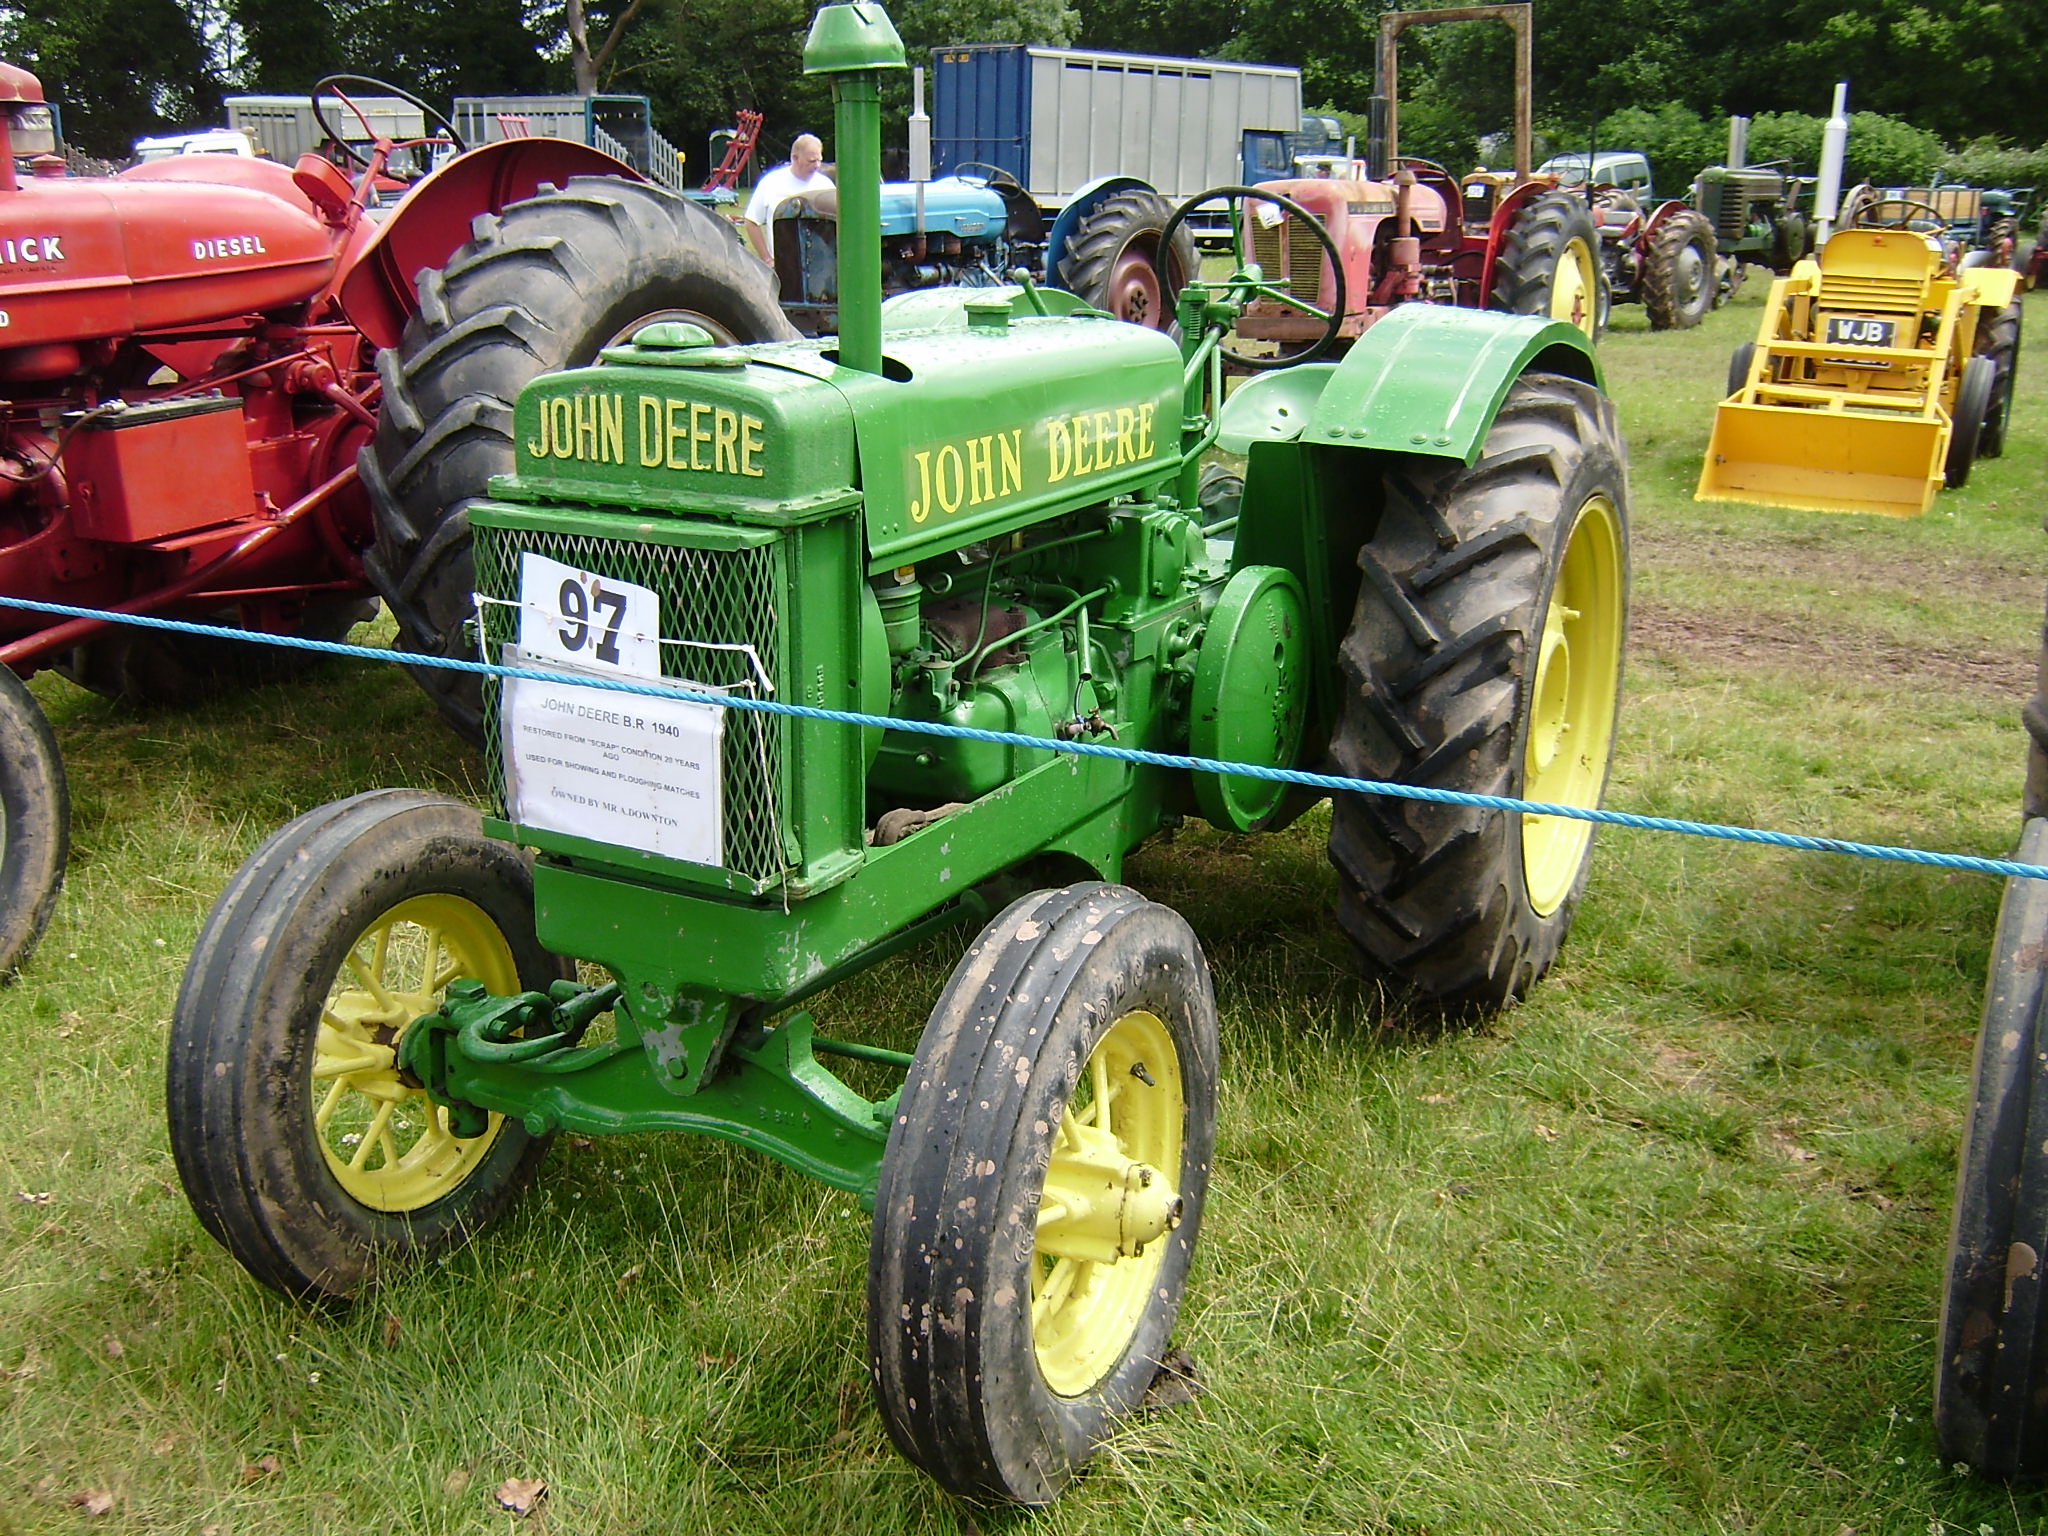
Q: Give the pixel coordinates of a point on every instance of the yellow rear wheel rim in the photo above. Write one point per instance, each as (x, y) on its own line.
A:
(1084, 1312)
(386, 1142)
(1575, 288)
(1572, 702)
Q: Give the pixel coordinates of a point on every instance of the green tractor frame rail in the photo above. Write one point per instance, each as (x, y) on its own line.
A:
(988, 509)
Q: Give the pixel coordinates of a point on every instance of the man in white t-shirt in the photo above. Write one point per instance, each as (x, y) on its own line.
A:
(800, 178)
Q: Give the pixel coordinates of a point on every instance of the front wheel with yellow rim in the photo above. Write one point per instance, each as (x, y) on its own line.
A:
(1042, 1191)
(1485, 656)
(303, 1147)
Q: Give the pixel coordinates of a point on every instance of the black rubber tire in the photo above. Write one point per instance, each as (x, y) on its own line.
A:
(951, 1266)
(1972, 413)
(1991, 1380)
(1438, 690)
(1999, 339)
(160, 666)
(35, 823)
(244, 1036)
(540, 287)
(1738, 366)
(1543, 233)
(1683, 244)
(1113, 261)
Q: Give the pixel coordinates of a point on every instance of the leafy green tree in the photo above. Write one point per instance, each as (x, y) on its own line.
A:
(118, 69)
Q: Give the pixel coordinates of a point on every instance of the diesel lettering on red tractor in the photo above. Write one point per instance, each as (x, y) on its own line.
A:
(31, 248)
(228, 245)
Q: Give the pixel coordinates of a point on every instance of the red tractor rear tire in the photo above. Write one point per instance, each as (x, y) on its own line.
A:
(35, 823)
(1549, 264)
(541, 287)
(158, 666)
(1679, 277)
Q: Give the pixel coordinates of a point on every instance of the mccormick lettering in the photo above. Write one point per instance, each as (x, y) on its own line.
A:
(228, 245)
(667, 433)
(32, 248)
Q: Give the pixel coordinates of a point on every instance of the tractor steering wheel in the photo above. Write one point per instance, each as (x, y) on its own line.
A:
(981, 171)
(1865, 216)
(1243, 287)
(330, 85)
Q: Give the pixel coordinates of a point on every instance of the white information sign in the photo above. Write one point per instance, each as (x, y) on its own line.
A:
(622, 768)
(592, 622)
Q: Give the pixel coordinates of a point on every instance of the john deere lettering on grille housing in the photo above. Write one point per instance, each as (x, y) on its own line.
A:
(665, 433)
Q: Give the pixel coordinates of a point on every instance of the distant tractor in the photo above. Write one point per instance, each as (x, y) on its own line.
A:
(189, 359)
(976, 227)
(1660, 254)
(1339, 253)
(979, 509)
(1881, 373)
(1757, 221)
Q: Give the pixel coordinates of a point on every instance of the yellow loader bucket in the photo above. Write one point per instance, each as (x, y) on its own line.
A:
(1825, 460)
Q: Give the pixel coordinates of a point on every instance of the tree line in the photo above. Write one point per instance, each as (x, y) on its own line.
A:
(1935, 86)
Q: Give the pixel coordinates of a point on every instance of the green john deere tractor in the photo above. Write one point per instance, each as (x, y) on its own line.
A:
(980, 509)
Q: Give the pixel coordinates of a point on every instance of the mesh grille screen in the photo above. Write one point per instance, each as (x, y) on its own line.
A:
(718, 615)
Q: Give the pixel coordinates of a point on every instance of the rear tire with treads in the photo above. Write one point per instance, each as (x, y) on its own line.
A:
(1116, 263)
(1484, 656)
(542, 286)
(1679, 276)
(1991, 1379)
(1549, 264)
(1998, 338)
(35, 823)
(160, 666)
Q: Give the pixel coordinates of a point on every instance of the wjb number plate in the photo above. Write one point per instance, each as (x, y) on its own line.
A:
(1848, 330)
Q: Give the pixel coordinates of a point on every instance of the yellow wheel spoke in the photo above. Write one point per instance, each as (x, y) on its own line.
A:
(326, 1110)
(396, 971)
(1099, 1070)
(371, 1136)
(372, 976)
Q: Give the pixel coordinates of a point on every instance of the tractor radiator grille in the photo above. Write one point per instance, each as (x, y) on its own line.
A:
(1870, 295)
(1296, 264)
(720, 628)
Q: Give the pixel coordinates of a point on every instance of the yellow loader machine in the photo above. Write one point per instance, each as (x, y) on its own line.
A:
(1880, 374)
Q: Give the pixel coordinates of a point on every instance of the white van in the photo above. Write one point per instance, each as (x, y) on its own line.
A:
(207, 141)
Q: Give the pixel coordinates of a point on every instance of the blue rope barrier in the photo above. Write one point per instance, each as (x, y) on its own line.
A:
(1708, 829)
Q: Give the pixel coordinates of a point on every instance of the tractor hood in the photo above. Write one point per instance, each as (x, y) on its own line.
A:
(1001, 429)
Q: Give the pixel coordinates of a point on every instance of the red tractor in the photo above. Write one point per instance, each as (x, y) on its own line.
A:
(190, 372)
(1337, 251)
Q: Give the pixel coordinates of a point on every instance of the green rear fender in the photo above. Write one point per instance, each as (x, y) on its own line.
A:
(1425, 379)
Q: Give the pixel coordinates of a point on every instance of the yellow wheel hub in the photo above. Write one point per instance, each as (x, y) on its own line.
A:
(1109, 1198)
(1575, 288)
(1572, 702)
(386, 1141)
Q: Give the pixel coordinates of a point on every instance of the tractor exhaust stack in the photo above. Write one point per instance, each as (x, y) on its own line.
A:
(854, 43)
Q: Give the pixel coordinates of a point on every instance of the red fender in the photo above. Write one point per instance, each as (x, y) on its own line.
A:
(379, 291)
(1661, 214)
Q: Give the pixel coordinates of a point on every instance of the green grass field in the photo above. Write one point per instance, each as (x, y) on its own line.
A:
(1660, 1251)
